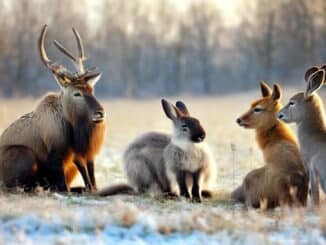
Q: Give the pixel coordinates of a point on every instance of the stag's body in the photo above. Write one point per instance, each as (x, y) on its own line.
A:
(307, 111)
(35, 145)
(38, 147)
(282, 180)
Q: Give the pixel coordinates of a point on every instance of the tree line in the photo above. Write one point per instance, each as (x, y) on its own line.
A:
(148, 49)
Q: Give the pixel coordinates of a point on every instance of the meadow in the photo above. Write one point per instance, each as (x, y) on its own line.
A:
(52, 218)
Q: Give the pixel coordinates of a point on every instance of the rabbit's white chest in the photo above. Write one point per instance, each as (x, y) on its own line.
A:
(192, 155)
(192, 161)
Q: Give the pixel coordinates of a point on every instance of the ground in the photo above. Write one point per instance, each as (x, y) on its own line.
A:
(47, 218)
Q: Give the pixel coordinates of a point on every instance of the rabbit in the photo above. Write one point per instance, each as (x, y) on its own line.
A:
(158, 163)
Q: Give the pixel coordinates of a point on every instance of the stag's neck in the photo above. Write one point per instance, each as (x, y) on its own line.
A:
(279, 131)
(82, 133)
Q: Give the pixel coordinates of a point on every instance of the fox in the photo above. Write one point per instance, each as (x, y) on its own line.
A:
(177, 165)
(283, 179)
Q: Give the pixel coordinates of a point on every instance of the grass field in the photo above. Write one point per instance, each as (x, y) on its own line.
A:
(48, 218)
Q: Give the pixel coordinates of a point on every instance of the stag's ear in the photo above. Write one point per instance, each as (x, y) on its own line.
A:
(170, 110)
(316, 80)
(277, 92)
(92, 80)
(182, 107)
(309, 72)
(265, 89)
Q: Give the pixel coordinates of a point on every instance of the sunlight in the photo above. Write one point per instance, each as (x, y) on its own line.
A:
(229, 9)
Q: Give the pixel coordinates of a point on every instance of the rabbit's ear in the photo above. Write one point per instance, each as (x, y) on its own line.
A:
(170, 110)
(316, 80)
(182, 107)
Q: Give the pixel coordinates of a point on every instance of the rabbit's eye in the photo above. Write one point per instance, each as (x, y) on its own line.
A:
(184, 127)
(291, 103)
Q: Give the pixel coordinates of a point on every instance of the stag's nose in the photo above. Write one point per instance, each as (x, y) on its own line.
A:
(99, 116)
(100, 113)
(238, 120)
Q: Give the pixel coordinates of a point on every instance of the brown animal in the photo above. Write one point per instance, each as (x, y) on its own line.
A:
(92, 136)
(282, 180)
(83, 159)
(38, 148)
(307, 111)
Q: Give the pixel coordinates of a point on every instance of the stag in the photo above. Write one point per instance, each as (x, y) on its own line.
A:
(61, 136)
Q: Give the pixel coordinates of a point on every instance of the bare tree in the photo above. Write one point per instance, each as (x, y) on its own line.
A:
(201, 33)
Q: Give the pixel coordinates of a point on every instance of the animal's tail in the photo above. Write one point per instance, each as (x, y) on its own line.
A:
(238, 195)
(207, 193)
(115, 190)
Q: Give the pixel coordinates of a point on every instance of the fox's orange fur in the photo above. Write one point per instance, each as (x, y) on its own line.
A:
(282, 180)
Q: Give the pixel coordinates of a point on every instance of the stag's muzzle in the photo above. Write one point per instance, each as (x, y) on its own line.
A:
(98, 116)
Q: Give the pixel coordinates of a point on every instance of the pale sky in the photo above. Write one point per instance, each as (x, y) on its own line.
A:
(229, 9)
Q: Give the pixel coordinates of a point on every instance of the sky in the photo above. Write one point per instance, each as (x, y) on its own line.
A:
(230, 9)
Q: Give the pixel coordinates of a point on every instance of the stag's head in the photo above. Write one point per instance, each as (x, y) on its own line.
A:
(78, 100)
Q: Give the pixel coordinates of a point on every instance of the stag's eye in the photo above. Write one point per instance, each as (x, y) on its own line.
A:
(291, 103)
(184, 127)
(257, 109)
(77, 94)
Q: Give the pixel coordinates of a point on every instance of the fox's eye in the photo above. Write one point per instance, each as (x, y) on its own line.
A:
(291, 103)
(184, 127)
(257, 109)
(77, 94)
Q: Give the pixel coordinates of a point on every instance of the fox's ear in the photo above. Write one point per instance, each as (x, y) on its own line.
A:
(182, 107)
(265, 89)
(316, 80)
(309, 72)
(277, 92)
(170, 110)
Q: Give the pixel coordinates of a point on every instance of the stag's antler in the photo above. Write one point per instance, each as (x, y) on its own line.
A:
(83, 75)
(56, 68)
(81, 52)
(78, 62)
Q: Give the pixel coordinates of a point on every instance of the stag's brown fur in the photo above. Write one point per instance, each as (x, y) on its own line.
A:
(39, 147)
(282, 180)
(86, 158)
